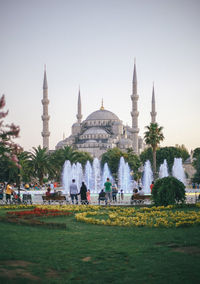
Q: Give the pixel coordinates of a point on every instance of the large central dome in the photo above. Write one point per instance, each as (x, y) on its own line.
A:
(101, 115)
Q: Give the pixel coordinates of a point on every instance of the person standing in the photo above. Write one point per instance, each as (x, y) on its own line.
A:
(122, 194)
(83, 193)
(8, 193)
(151, 186)
(114, 193)
(88, 196)
(52, 185)
(108, 189)
(73, 189)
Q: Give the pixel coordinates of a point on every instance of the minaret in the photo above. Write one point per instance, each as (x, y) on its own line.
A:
(79, 115)
(45, 116)
(153, 107)
(134, 112)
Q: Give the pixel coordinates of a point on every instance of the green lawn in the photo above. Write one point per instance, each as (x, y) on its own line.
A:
(86, 253)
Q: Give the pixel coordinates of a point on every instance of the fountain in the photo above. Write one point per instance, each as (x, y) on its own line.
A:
(96, 170)
(88, 175)
(66, 176)
(106, 174)
(125, 182)
(93, 178)
(163, 171)
(178, 171)
(147, 177)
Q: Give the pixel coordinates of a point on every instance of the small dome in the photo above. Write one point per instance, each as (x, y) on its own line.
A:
(125, 141)
(102, 114)
(95, 130)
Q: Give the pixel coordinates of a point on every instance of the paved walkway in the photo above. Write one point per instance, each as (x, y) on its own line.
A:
(191, 197)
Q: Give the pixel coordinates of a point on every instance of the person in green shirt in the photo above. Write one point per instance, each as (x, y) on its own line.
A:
(108, 189)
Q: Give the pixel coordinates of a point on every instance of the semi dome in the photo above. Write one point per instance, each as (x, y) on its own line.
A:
(102, 114)
(95, 130)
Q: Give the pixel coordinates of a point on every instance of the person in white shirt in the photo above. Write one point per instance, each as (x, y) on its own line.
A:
(73, 189)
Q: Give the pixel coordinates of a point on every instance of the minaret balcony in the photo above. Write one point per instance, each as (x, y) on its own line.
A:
(134, 113)
(134, 97)
(45, 117)
(45, 101)
(135, 130)
(45, 134)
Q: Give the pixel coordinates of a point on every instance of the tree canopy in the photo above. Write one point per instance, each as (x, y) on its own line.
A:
(8, 148)
(153, 136)
(196, 153)
(112, 157)
(162, 153)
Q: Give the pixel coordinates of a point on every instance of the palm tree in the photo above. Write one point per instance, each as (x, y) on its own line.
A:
(39, 163)
(58, 157)
(153, 136)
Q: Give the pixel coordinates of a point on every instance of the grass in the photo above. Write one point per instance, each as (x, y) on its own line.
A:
(86, 253)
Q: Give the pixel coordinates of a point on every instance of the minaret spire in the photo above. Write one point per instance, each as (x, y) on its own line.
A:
(102, 107)
(45, 116)
(134, 112)
(79, 114)
(153, 107)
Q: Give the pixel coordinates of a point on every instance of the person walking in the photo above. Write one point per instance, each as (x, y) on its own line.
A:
(108, 190)
(73, 189)
(83, 193)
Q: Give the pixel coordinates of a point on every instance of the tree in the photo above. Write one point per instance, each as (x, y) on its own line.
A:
(164, 153)
(112, 157)
(24, 161)
(58, 157)
(196, 153)
(153, 136)
(83, 157)
(184, 152)
(8, 148)
(39, 163)
(196, 164)
(168, 190)
(169, 153)
(147, 154)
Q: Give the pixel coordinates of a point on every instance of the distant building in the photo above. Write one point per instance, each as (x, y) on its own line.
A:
(103, 130)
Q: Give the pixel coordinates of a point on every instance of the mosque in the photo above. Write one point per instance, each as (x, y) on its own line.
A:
(102, 129)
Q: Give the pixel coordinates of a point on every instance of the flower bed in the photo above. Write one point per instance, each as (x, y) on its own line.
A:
(71, 208)
(150, 217)
(170, 216)
(32, 222)
(20, 206)
(38, 212)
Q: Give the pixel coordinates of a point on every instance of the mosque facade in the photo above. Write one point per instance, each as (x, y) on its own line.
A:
(102, 129)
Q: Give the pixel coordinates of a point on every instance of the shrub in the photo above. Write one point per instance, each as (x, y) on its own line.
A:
(167, 191)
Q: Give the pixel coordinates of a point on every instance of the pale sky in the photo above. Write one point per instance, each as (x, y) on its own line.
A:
(93, 43)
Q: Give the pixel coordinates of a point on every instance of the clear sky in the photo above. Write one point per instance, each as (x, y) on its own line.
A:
(92, 43)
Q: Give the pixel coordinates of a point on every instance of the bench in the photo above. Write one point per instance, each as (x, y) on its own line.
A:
(140, 199)
(103, 199)
(54, 198)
